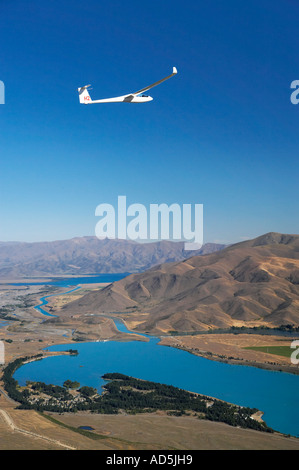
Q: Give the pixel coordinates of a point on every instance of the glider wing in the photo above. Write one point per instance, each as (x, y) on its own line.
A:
(174, 72)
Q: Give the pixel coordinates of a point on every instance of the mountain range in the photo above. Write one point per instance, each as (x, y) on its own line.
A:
(253, 283)
(89, 255)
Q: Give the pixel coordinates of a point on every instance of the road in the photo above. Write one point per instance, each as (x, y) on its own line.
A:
(10, 423)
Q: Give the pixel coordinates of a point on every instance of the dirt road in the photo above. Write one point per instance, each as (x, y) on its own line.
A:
(8, 420)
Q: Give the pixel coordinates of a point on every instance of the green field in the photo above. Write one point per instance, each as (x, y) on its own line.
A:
(285, 351)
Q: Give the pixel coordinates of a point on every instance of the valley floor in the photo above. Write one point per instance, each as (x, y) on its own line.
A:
(29, 430)
(29, 333)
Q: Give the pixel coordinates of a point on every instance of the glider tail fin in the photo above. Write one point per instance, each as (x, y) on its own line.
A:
(84, 96)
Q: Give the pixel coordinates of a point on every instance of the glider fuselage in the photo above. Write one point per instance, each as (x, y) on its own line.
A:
(122, 99)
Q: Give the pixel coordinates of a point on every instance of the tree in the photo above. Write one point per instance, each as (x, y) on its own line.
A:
(87, 391)
(70, 384)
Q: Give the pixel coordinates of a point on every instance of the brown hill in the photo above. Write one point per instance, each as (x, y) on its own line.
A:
(255, 282)
(86, 255)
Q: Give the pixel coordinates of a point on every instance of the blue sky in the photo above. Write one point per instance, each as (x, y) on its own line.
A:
(223, 132)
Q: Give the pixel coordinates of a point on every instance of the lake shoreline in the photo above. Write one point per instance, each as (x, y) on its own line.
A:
(260, 365)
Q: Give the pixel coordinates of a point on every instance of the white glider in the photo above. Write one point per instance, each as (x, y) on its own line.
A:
(136, 97)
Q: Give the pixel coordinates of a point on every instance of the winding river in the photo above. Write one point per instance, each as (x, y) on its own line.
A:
(274, 393)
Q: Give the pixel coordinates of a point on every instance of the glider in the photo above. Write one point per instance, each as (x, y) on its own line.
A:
(135, 97)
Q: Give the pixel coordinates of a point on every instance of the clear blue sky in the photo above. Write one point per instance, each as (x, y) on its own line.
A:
(223, 132)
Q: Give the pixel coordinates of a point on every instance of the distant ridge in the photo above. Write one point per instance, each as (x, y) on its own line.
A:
(88, 255)
(255, 282)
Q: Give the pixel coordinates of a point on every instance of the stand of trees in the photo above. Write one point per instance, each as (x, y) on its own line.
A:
(262, 330)
(126, 393)
(10, 384)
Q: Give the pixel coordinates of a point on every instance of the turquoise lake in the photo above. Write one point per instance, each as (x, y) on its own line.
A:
(274, 393)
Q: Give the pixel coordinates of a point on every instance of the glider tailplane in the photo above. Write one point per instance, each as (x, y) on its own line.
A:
(84, 96)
